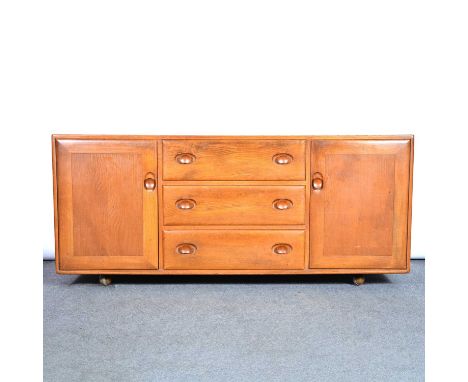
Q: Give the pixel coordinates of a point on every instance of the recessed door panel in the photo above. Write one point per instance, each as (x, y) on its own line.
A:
(107, 204)
(359, 203)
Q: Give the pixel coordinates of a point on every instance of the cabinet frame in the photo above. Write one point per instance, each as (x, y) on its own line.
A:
(158, 143)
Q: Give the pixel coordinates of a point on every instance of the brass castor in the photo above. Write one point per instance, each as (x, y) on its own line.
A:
(359, 280)
(105, 280)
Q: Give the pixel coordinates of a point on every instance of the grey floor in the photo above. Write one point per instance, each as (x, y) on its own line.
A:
(232, 328)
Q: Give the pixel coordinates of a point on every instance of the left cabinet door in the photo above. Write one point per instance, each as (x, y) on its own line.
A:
(106, 201)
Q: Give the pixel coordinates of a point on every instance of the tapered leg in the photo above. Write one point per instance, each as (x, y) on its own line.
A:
(105, 280)
(358, 280)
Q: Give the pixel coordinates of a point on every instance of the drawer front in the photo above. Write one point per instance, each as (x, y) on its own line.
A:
(234, 205)
(234, 249)
(234, 159)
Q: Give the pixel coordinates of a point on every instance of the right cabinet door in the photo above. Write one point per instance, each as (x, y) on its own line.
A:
(359, 204)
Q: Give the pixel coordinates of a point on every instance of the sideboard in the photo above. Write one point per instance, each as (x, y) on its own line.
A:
(174, 205)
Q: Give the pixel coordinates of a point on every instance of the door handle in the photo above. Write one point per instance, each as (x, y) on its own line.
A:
(317, 181)
(150, 182)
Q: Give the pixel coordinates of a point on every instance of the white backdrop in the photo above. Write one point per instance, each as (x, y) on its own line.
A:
(245, 67)
(235, 67)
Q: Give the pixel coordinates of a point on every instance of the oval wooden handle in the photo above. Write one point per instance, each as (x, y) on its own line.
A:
(282, 204)
(186, 249)
(185, 158)
(282, 158)
(150, 182)
(185, 204)
(282, 249)
(317, 181)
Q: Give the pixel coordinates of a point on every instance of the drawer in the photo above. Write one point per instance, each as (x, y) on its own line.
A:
(234, 159)
(234, 249)
(233, 205)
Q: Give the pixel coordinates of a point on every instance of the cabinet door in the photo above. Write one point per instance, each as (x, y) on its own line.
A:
(359, 203)
(107, 204)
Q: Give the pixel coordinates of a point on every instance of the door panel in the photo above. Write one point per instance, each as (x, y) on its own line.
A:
(107, 213)
(359, 207)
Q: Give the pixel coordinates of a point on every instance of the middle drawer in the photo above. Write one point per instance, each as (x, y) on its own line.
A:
(233, 205)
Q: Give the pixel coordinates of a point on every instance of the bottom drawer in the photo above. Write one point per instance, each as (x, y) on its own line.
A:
(234, 249)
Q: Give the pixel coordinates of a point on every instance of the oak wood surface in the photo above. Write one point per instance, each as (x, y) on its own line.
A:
(359, 217)
(230, 137)
(160, 209)
(359, 169)
(409, 213)
(226, 205)
(174, 272)
(233, 159)
(106, 217)
(234, 249)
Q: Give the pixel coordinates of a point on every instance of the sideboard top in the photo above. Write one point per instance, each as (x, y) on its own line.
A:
(237, 137)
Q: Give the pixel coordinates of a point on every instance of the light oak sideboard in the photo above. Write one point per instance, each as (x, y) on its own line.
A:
(173, 205)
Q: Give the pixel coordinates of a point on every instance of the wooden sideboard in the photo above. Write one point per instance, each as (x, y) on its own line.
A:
(232, 205)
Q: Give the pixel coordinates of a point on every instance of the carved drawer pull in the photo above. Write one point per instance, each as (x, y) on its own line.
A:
(185, 204)
(282, 204)
(317, 181)
(282, 249)
(150, 182)
(186, 249)
(185, 158)
(282, 158)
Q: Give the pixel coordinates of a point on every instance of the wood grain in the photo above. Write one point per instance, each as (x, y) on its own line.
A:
(308, 271)
(233, 160)
(113, 137)
(359, 217)
(234, 249)
(354, 192)
(101, 184)
(106, 217)
(227, 205)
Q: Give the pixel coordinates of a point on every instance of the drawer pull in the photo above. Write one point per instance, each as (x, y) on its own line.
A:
(282, 249)
(185, 158)
(186, 249)
(282, 158)
(317, 181)
(282, 204)
(150, 182)
(185, 204)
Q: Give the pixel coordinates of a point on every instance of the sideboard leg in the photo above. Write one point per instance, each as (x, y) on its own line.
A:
(105, 280)
(358, 280)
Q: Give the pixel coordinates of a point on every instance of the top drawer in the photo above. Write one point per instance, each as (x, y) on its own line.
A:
(195, 159)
